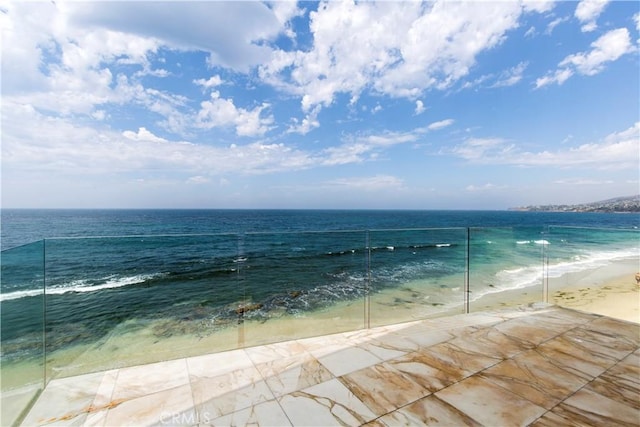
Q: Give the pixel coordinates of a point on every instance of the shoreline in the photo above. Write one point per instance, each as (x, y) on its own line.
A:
(611, 291)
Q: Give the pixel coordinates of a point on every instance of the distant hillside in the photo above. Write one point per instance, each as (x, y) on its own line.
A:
(618, 204)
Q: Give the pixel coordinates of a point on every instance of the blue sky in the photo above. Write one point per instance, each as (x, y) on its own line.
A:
(385, 105)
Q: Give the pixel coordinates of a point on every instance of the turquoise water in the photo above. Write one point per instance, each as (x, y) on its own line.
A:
(199, 268)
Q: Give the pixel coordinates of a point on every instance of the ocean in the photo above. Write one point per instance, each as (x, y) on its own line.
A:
(101, 288)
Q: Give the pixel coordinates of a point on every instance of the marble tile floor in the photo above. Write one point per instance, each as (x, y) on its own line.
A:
(540, 365)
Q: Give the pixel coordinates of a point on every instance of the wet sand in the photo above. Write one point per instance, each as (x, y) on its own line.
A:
(610, 291)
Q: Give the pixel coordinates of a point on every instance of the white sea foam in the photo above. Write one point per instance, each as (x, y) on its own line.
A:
(20, 294)
(78, 286)
(522, 277)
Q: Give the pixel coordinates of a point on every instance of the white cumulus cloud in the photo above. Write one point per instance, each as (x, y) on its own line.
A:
(607, 48)
(431, 47)
(440, 124)
(211, 82)
(618, 150)
(222, 112)
(142, 135)
(588, 11)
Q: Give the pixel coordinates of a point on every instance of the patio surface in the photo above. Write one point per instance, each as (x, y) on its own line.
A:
(541, 365)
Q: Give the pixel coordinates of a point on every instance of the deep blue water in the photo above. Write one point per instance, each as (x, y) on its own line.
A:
(204, 264)
(21, 226)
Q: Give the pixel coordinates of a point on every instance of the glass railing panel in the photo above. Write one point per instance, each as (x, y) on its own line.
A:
(302, 284)
(416, 274)
(506, 267)
(114, 302)
(22, 327)
(594, 269)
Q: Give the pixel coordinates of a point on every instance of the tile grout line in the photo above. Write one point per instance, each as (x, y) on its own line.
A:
(275, 399)
(496, 363)
(113, 389)
(550, 410)
(430, 395)
(193, 397)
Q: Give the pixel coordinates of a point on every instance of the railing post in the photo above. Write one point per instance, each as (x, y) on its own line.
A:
(545, 266)
(240, 282)
(367, 295)
(467, 276)
(44, 313)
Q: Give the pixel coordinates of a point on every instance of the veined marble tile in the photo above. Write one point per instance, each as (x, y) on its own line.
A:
(320, 346)
(363, 335)
(575, 357)
(426, 338)
(464, 356)
(387, 347)
(230, 392)
(141, 380)
(326, 404)
(563, 317)
(550, 419)
(277, 351)
(587, 407)
(295, 373)
(395, 327)
(432, 370)
(346, 360)
(102, 402)
(263, 414)
(451, 323)
(383, 388)
(397, 341)
(374, 423)
(429, 411)
(627, 371)
(615, 390)
(489, 341)
(104, 393)
(629, 330)
(531, 329)
(96, 419)
(621, 382)
(604, 343)
(213, 365)
(490, 404)
(65, 401)
(576, 316)
(534, 378)
(172, 407)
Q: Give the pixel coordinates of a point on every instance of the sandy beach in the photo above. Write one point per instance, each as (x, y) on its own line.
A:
(610, 291)
(617, 297)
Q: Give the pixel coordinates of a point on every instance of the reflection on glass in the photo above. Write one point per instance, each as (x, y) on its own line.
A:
(416, 274)
(92, 304)
(22, 323)
(506, 266)
(114, 302)
(302, 284)
(586, 264)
